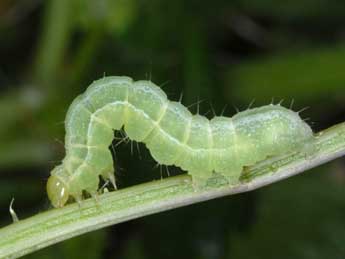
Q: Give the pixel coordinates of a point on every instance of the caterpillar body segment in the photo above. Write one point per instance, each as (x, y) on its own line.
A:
(172, 134)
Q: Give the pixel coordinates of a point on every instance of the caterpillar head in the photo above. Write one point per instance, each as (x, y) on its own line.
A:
(57, 189)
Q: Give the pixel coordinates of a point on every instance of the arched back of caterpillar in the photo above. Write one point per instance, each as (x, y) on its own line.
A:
(172, 134)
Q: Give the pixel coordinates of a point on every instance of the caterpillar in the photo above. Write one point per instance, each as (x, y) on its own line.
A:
(171, 133)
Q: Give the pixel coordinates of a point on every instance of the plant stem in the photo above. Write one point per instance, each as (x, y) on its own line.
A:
(56, 225)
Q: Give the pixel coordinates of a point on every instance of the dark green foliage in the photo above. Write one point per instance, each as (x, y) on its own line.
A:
(306, 222)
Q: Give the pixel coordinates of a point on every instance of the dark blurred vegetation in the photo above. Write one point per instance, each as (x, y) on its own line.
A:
(223, 52)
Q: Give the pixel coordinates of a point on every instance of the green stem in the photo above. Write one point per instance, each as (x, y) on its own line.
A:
(56, 225)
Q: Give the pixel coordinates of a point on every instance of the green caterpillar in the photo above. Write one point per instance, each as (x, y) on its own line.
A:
(172, 134)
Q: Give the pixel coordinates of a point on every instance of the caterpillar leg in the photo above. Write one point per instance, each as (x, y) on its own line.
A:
(84, 179)
(233, 177)
(96, 199)
(199, 180)
(78, 198)
(110, 176)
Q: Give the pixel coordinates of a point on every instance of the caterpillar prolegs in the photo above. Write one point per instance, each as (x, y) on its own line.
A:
(171, 133)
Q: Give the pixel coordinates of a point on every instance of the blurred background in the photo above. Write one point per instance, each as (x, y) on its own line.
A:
(220, 53)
